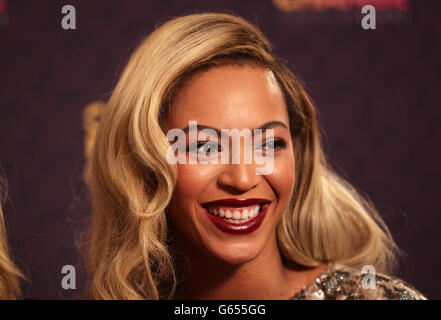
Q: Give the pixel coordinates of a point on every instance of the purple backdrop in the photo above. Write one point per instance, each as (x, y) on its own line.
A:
(377, 91)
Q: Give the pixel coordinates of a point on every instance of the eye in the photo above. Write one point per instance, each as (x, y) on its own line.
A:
(209, 146)
(205, 147)
(275, 144)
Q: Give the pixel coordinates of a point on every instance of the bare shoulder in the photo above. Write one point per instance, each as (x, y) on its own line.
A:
(340, 282)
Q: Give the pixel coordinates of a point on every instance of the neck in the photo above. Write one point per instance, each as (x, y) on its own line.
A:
(265, 277)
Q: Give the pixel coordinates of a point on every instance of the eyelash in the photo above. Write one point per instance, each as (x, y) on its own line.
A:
(278, 144)
(200, 144)
(281, 143)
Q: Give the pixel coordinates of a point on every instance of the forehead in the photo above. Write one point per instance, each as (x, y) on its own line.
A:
(230, 97)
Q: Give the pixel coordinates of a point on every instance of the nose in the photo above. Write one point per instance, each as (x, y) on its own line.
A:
(238, 178)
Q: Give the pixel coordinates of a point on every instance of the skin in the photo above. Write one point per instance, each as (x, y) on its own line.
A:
(222, 265)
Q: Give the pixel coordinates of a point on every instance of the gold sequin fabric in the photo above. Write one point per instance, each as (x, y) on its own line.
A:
(340, 282)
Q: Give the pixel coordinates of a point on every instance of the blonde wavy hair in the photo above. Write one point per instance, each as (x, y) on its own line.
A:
(9, 273)
(131, 182)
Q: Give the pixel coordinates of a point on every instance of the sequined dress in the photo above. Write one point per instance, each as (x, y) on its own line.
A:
(340, 282)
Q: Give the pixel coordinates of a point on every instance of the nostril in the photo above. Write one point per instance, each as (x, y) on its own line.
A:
(237, 179)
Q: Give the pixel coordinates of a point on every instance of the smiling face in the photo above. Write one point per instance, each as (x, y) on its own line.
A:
(232, 97)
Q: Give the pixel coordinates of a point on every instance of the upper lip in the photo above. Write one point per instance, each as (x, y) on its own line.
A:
(233, 202)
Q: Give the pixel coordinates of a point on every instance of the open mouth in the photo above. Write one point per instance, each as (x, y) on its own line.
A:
(235, 214)
(236, 211)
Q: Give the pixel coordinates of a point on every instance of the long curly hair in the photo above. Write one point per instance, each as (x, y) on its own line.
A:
(9, 273)
(131, 183)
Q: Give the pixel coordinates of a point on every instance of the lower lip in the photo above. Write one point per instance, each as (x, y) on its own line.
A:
(238, 228)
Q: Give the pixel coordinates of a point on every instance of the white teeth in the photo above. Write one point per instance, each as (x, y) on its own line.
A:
(235, 216)
(237, 220)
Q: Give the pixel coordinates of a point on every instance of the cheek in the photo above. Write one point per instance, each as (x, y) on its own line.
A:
(283, 177)
(192, 180)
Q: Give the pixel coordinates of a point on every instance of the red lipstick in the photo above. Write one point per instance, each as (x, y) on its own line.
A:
(237, 228)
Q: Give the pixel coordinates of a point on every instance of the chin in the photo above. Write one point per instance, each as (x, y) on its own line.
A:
(238, 254)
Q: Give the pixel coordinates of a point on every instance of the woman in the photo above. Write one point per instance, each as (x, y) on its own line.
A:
(165, 227)
(9, 274)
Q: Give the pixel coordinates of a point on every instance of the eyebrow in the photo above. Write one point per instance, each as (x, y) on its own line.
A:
(266, 125)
